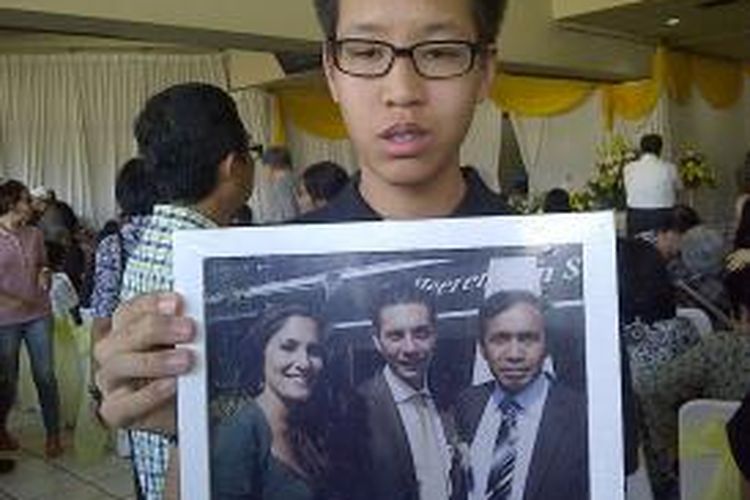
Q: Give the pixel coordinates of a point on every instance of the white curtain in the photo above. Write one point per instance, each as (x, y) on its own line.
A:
(66, 119)
(307, 149)
(560, 151)
(481, 148)
(656, 123)
(255, 107)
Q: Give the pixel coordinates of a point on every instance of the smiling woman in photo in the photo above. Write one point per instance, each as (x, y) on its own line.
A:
(272, 447)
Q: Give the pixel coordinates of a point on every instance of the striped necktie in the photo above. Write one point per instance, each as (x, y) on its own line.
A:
(500, 479)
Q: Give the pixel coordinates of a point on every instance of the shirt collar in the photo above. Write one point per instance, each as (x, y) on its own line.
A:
(350, 205)
(530, 394)
(400, 390)
(183, 217)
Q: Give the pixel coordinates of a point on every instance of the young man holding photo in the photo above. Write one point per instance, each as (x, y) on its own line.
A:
(407, 76)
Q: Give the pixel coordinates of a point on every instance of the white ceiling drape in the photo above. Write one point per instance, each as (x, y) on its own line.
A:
(560, 151)
(66, 119)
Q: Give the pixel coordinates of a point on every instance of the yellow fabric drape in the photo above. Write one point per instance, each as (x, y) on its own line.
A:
(278, 124)
(720, 82)
(678, 76)
(631, 101)
(710, 439)
(636, 100)
(529, 96)
(313, 110)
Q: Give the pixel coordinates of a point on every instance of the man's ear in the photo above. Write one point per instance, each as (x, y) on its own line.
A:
(376, 341)
(329, 70)
(482, 349)
(227, 166)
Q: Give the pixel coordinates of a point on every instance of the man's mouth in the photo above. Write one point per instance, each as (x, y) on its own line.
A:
(405, 140)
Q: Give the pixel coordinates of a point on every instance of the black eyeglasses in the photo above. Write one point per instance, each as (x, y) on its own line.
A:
(435, 60)
(256, 151)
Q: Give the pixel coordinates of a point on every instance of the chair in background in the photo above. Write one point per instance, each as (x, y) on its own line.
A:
(638, 485)
(707, 469)
(698, 318)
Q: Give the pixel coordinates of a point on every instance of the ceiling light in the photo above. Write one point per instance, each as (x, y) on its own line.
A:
(672, 22)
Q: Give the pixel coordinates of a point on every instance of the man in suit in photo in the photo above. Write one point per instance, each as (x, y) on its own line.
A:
(527, 431)
(405, 453)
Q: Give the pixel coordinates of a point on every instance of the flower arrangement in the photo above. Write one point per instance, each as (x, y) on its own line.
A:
(606, 189)
(525, 205)
(694, 169)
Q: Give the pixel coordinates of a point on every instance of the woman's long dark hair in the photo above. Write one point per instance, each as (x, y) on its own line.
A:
(742, 236)
(307, 421)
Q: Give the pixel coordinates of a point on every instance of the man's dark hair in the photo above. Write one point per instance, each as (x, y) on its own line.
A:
(557, 200)
(10, 193)
(278, 156)
(183, 134)
(669, 220)
(488, 15)
(501, 301)
(651, 143)
(324, 180)
(134, 191)
(687, 218)
(394, 294)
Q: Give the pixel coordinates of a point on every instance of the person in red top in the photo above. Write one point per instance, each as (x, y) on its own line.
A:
(25, 314)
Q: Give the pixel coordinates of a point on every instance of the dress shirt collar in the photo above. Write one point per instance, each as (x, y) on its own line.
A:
(182, 217)
(529, 396)
(403, 392)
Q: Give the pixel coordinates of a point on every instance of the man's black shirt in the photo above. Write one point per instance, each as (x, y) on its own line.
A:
(349, 205)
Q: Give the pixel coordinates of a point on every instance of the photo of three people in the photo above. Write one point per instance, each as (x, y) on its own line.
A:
(421, 374)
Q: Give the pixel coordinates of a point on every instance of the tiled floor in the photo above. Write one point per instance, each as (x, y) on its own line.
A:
(64, 478)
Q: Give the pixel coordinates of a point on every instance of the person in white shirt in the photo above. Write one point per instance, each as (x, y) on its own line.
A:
(651, 186)
(525, 423)
(406, 455)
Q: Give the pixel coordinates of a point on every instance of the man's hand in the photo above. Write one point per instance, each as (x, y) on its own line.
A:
(738, 259)
(139, 361)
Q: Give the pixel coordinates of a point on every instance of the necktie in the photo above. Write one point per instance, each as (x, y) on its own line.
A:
(500, 479)
(430, 469)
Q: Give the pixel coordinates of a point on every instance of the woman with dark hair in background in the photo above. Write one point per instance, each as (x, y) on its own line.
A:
(25, 314)
(319, 184)
(272, 448)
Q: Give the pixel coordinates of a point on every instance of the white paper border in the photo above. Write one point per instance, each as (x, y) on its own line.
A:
(594, 231)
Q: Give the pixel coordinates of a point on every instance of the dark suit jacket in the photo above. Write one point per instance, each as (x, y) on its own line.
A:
(387, 468)
(377, 463)
(559, 463)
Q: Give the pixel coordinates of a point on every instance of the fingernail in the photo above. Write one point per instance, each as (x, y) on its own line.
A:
(183, 329)
(167, 304)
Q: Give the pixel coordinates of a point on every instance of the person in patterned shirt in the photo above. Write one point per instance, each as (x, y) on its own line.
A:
(196, 151)
(136, 197)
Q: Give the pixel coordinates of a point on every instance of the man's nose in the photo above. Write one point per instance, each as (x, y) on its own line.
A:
(515, 350)
(410, 344)
(403, 86)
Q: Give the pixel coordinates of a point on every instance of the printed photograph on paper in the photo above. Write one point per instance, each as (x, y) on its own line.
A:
(431, 371)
